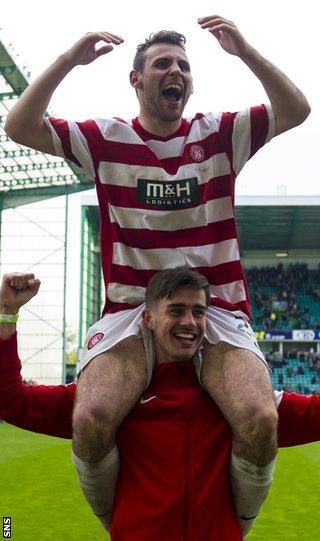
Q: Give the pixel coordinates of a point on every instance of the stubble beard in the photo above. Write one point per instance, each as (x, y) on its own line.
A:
(156, 112)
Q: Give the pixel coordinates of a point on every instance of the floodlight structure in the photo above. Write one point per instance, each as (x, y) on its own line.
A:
(33, 231)
(27, 175)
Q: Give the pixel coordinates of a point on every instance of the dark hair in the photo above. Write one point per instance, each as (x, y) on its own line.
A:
(164, 36)
(164, 283)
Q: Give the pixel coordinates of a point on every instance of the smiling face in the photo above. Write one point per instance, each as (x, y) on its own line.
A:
(165, 84)
(178, 324)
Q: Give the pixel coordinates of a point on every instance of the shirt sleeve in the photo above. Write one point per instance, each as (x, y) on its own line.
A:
(79, 142)
(299, 419)
(245, 132)
(46, 409)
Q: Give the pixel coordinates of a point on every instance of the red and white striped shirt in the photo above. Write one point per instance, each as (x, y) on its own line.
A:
(167, 201)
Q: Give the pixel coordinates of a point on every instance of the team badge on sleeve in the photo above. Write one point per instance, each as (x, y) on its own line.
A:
(95, 339)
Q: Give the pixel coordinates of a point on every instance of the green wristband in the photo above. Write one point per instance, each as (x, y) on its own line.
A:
(9, 318)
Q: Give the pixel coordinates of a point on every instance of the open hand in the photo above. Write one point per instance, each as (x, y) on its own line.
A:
(86, 51)
(227, 34)
(16, 290)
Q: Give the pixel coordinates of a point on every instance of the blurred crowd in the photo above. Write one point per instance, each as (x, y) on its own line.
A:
(300, 370)
(274, 294)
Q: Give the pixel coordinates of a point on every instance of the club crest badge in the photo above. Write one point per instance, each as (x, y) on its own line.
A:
(95, 339)
(197, 153)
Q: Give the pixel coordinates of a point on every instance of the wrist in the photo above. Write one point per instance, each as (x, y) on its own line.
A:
(249, 54)
(9, 310)
(65, 60)
(8, 323)
(8, 319)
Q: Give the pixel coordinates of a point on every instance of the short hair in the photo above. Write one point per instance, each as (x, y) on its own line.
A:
(164, 283)
(164, 36)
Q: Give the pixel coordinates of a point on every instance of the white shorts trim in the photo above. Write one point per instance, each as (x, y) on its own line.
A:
(112, 329)
(231, 327)
(222, 325)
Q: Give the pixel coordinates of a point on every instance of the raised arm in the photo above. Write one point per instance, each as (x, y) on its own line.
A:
(289, 105)
(25, 123)
(46, 409)
(16, 290)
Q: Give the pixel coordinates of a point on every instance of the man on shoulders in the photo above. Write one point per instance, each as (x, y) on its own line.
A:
(175, 445)
(166, 192)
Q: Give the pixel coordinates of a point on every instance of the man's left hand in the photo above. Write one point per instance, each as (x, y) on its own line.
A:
(227, 34)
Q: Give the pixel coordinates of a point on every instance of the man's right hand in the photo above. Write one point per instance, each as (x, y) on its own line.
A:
(85, 50)
(25, 122)
(16, 290)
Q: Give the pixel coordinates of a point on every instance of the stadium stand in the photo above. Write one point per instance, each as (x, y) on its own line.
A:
(284, 299)
(298, 371)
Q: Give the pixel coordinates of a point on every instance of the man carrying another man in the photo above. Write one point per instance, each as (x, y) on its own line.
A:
(175, 445)
(166, 191)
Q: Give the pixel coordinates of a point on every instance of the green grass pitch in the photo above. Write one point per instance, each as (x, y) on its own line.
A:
(40, 492)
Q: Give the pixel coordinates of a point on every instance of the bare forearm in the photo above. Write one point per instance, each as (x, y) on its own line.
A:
(29, 110)
(288, 103)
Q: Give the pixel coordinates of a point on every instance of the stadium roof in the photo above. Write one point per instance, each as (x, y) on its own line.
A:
(25, 174)
(277, 223)
(280, 223)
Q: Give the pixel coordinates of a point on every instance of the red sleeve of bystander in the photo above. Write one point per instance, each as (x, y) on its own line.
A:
(299, 419)
(46, 409)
